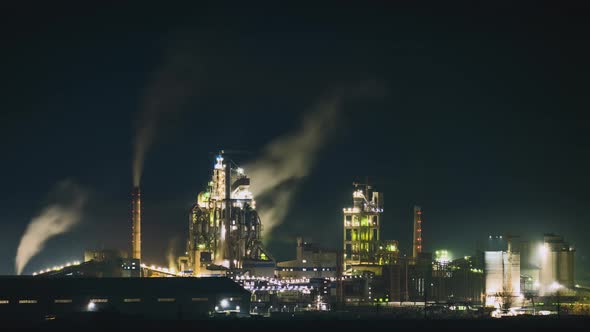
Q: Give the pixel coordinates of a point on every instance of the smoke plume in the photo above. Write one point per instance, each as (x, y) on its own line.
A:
(170, 256)
(56, 218)
(167, 93)
(288, 159)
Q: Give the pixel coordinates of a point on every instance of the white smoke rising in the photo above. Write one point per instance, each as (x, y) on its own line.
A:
(170, 256)
(169, 89)
(288, 159)
(55, 219)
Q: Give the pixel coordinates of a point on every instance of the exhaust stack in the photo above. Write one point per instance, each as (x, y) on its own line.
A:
(136, 223)
(417, 243)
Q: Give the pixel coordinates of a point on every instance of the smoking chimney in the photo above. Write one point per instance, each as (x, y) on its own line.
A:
(417, 245)
(136, 221)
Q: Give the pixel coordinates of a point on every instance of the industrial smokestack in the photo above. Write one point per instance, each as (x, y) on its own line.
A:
(227, 223)
(417, 245)
(136, 222)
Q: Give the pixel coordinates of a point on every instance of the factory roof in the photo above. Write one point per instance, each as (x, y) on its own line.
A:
(23, 286)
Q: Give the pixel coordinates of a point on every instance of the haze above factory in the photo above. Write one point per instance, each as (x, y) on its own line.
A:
(475, 116)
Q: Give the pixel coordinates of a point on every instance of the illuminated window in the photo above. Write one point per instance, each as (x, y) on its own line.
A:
(166, 299)
(27, 301)
(131, 300)
(4, 301)
(99, 300)
(63, 301)
(199, 299)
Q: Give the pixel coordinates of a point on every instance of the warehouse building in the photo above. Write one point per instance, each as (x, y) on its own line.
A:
(164, 298)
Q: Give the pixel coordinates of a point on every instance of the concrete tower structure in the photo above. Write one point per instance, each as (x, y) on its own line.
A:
(362, 226)
(417, 243)
(224, 226)
(557, 264)
(136, 223)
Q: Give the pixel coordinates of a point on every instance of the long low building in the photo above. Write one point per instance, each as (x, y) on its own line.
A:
(174, 298)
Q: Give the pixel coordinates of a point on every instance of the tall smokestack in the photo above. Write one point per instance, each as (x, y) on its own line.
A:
(136, 221)
(227, 223)
(417, 244)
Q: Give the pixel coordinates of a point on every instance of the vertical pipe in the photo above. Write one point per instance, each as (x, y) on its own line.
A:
(228, 244)
(136, 216)
(417, 243)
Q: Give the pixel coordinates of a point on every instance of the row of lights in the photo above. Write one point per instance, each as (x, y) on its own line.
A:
(160, 269)
(273, 280)
(57, 268)
(280, 289)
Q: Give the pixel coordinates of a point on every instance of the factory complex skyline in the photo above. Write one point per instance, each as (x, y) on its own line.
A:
(225, 235)
(271, 161)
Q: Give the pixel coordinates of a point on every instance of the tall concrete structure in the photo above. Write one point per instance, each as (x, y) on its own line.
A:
(362, 226)
(417, 242)
(136, 223)
(502, 276)
(557, 264)
(224, 226)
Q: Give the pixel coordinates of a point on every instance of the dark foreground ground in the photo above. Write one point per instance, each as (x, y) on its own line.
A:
(310, 323)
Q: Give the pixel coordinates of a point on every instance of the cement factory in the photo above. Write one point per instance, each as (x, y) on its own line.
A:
(226, 270)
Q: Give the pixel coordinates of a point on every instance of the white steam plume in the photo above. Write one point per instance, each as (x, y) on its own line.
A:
(170, 256)
(173, 83)
(288, 159)
(55, 219)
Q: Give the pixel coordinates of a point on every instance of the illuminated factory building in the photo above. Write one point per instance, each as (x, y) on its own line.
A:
(224, 240)
(525, 270)
(311, 262)
(502, 275)
(362, 226)
(224, 227)
(556, 264)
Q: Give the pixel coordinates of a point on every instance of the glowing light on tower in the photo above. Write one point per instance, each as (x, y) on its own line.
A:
(417, 244)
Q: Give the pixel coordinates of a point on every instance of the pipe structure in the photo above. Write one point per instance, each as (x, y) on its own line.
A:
(417, 243)
(136, 223)
(227, 223)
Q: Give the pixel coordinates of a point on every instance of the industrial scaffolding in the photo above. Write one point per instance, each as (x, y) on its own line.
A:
(224, 227)
(362, 243)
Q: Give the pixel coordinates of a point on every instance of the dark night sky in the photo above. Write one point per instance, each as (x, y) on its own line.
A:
(479, 118)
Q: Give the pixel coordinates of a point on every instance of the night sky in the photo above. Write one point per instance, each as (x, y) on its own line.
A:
(475, 113)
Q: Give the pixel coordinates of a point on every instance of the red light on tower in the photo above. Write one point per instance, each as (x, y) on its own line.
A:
(417, 243)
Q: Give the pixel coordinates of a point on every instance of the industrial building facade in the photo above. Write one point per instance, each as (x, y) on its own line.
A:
(168, 298)
(311, 262)
(224, 227)
(224, 239)
(362, 226)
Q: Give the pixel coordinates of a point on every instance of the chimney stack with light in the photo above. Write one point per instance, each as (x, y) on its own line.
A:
(136, 222)
(417, 243)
